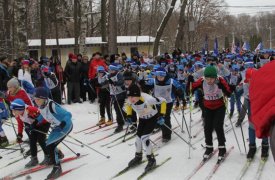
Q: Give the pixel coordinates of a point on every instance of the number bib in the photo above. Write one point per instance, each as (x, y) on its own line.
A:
(211, 92)
(164, 91)
(233, 79)
(144, 111)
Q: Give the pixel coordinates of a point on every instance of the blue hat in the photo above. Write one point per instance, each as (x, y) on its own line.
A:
(18, 104)
(143, 65)
(180, 67)
(156, 67)
(198, 64)
(235, 67)
(100, 69)
(41, 93)
(249, 63)
(114, 67)
(134, 65)
(161, 72)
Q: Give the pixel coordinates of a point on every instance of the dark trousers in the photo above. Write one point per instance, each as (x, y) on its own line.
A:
(35, 136)
(73, 91)
(146, 126)
(166, 133)
(84, 89)
(120, 114)
(105, 103)
(214, 120)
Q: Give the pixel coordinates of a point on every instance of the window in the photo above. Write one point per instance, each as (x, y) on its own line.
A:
(33, 54)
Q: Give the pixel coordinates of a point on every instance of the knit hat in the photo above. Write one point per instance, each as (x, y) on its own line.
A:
(26, 62)
(41, 93)
(114, 67)
(18, 104)
(210, 71)
(100, 69)
(161, 72)
(134, 91)
(13, 83)
(74, 57)
(128, 75)
(235, 67)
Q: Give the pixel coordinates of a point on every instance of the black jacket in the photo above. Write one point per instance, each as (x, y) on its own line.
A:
(73, 71)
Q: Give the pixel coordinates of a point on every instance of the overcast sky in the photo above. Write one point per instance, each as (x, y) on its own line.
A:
(250, 11)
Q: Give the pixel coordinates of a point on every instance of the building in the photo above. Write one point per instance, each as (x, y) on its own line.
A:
(127, 44)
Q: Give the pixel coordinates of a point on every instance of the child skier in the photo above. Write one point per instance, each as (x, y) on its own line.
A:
(61, 122)
(214, 88)
(3, 115)
(150, 110)
(104, 97)
(35, 131)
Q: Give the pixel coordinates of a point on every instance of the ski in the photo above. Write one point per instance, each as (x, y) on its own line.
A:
(129, 168)
(105, 137)
(217, 165)
(67, 171)
(147, 172)
(76, 132)
(245, 167)
(98, 128)
(40, 167)
(118, 143)
(118, 138)
(201, 164)
(260, 168)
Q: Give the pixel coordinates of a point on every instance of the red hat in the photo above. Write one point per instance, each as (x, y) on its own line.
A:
(74, 57)
(25, 62)
(248, 74)
(45, 69)
(70, 55)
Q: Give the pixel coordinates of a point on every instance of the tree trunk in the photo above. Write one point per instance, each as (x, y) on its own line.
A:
(83, 31)
(76, 29)
(43, 27)
(103, 27)
(139, 16)
(162, 27)
(112, 38)
(180, 30)
(22, 41)
(7, 29)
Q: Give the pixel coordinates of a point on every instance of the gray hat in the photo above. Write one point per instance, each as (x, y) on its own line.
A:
(13, 83)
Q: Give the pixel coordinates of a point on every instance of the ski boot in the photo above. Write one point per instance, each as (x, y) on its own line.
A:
(109, 122)
(118, 129)
(56, 172)
(47, 161)
(222, 152)
(4, 141)
(208, 152)
(151, 162)
(136, 160)
(101, 121)
(251, 152)
(33, 162)
(265, 148)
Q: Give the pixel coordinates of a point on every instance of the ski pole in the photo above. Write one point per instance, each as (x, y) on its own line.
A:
(77, 154)
(225, 102)
(86, 145)
(73, 143)
(21, 149)
(190, 119)
(5, 148)
(179, 123)
(190, 145)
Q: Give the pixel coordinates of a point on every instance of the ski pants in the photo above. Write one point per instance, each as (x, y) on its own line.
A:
(236, 98)
(214, 120)
(166, 133)
(144, 129)
(105, 103)
(120, 114)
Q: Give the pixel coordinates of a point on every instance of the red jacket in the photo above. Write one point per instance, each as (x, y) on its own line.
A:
(212, 104)
(21, 94)
(262, 99)
(93, 67)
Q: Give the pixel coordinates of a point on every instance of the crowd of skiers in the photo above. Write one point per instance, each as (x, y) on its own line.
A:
(144, 92)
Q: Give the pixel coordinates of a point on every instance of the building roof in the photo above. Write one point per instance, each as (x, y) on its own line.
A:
(93, 41)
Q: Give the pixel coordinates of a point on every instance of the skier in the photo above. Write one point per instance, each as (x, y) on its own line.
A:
(118, 94)
(35, 131)
(251, 129)
(151, 110)
(104, 97)
(61, 123)
(214, 88)
(168, 88)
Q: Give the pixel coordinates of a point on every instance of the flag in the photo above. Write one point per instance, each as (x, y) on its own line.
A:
(216, 46)
(205, 46)
(246, 46)
(259, 47)
(238, 48)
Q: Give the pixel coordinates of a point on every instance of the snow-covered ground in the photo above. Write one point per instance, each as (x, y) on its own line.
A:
(180, 166)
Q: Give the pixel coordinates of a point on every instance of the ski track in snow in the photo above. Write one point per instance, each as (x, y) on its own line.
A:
(179, 167)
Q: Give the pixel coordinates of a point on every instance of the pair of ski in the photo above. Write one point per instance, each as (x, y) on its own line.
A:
(247, 165)
(91, 127)
(145, 172)
(205, 160)
(25, 172)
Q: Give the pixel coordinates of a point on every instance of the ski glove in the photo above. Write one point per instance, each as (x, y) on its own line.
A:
(129, 121)
(62, 124)
(161, 120)
(19, 138)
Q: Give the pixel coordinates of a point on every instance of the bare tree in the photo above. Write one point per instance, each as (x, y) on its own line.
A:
(43, 27)
(112, 28)
(180, 29)
(83, 26)
(162, 27)
(103, 25)
(76, 26)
